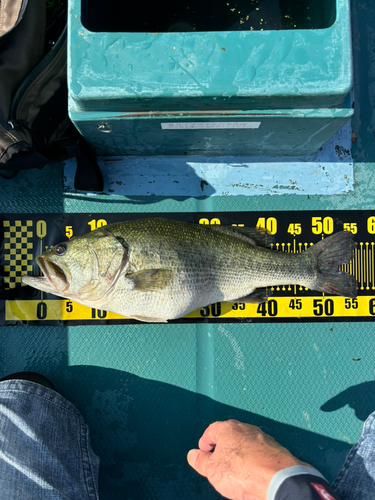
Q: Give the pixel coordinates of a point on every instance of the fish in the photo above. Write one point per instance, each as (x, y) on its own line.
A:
(155, 269)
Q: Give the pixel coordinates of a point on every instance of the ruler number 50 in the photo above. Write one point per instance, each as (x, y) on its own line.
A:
(321, 225)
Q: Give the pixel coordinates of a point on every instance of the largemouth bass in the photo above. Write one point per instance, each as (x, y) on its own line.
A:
(157, 269)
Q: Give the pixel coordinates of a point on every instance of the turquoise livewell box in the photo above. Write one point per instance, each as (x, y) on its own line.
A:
(254, 77)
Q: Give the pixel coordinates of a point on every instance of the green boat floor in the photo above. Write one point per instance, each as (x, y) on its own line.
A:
(148, 391)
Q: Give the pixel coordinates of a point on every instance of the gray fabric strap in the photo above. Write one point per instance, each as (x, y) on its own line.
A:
(283, 474)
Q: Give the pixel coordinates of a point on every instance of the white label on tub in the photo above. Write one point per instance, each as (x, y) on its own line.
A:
(208, 125)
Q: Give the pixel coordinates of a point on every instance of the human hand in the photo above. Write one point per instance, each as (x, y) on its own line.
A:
(243, 461)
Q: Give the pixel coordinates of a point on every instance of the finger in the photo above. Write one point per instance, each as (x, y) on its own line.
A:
(192, 457)
(199, 460)
(210, 436)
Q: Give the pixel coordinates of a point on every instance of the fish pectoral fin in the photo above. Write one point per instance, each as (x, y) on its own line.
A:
(258, 296)
(148, 320)
(151, 279)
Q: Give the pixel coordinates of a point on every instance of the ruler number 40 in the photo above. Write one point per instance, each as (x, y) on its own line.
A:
(268, 308)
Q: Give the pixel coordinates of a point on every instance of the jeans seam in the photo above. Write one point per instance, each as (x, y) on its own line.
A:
(346, 465)
(91, 490)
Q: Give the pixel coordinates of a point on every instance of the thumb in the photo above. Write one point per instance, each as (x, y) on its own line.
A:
(199, 460)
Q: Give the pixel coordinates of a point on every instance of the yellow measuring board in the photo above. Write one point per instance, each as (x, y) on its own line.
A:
(280, 307)
(24, 237)
(53, 310)
(292, 307)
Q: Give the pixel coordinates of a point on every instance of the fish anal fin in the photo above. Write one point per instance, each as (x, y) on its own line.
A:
(258, 296)
(149, 280)
(148, 320)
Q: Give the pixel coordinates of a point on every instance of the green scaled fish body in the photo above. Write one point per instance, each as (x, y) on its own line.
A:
(158, 269)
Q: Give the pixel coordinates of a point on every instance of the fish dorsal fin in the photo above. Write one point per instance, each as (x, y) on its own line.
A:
(149, 280)
(250, 235)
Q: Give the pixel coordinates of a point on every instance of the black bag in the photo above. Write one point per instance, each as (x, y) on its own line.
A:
(35, 129)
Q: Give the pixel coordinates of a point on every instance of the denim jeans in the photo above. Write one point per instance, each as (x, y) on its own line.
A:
(45, 450)
(356, 479)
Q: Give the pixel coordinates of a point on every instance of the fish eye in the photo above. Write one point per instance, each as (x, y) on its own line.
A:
(60, 249)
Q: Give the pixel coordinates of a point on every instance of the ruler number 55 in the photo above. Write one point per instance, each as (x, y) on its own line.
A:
(351, 304)
(351, 227)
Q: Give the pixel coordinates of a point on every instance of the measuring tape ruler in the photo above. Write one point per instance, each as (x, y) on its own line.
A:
(23, 237)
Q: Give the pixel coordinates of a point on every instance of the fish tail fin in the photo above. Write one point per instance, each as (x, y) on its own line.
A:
(330, 253)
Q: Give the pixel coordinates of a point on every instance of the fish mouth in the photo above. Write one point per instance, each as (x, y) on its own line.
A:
(53, 273)
(53, 280)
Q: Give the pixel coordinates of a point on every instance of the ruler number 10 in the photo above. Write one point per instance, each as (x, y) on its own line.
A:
(96, 224)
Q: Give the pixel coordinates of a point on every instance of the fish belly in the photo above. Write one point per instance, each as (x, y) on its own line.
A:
(185, 295)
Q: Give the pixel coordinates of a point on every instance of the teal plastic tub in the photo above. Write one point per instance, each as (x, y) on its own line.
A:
(273, 85)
